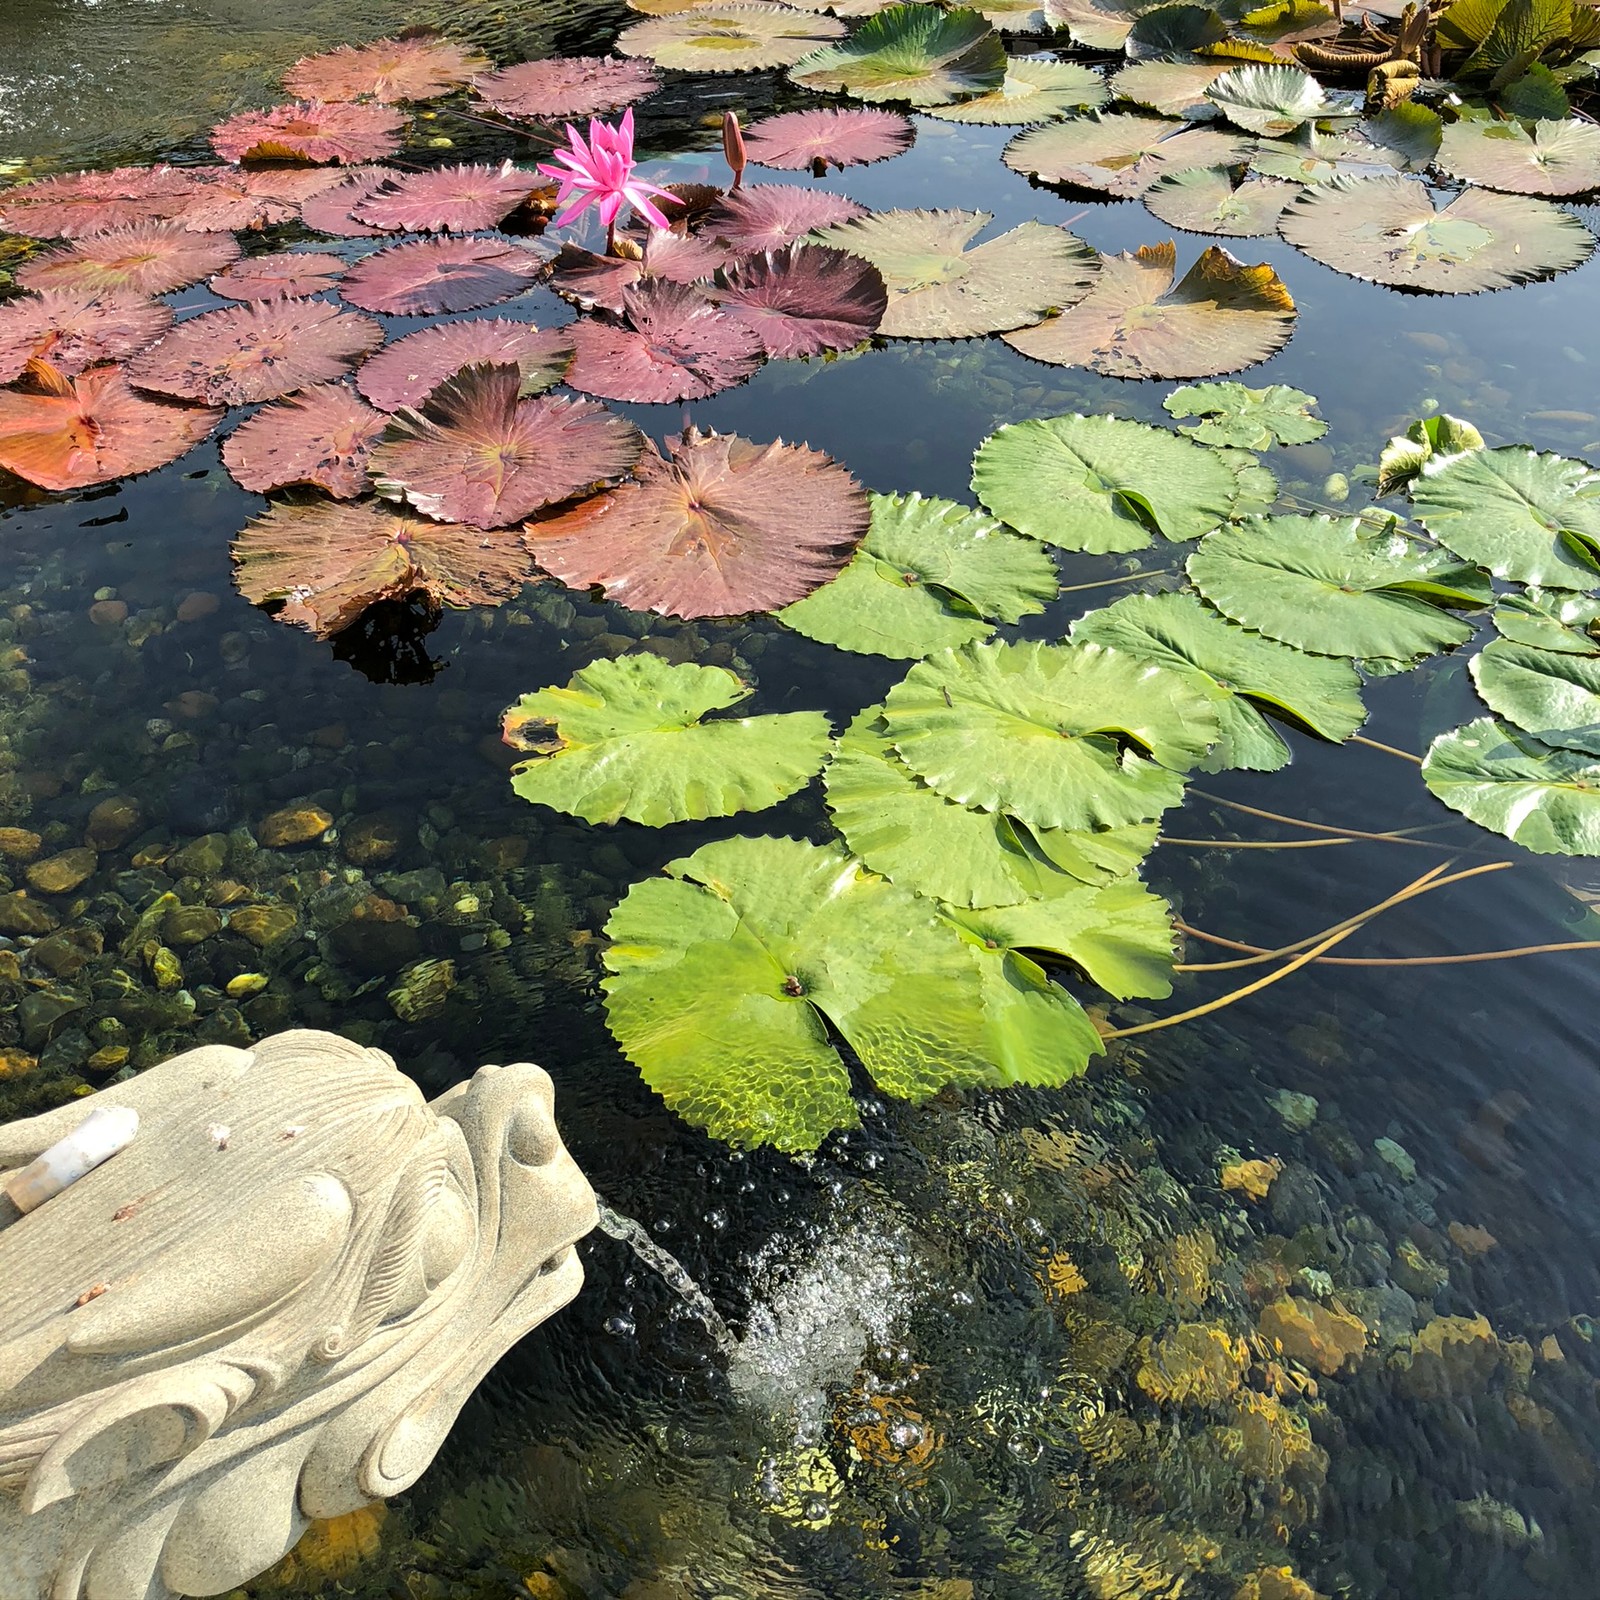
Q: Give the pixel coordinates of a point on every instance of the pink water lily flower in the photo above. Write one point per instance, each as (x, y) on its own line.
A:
(600, 174)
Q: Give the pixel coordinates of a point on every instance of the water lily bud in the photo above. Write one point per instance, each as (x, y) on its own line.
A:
(733, 145)
(1336, 488)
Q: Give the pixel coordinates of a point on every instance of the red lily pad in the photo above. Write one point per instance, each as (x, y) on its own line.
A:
(578, 86)
(428, 276)
(310, 131)
(592, 281)
(225, 198)
(476, 452)
(329, 210)
(416, 66)
(74, 432)
(767, 216)
(459, 199)
(256, 351)
(327, 563)
(74, 204)
(406, 372)
(321, 437)
(72, 329)
(292, 276)
(146, 258)
(796, 140)
(805, 299)
(677, 345)
(715, 528)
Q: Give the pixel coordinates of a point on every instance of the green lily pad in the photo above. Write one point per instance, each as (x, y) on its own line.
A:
(1034, 90)
(1387, 229)
(1526, 516)
(625, 739)
(1537, 96)
(1406, 454)
(1060, 736)
(1101, 484)
(941, 289)
(1555, 158)
(1136, 322)
(1549, 619)
(1408, 134)
(1252, 673)
(1210, 200)
(1545, 800)
(1098, 24)
(1170, 88)
(722, 972)
(1119, 152)
(1270, 101)
(913, 53)
(1334, 588)
(929, 574)
(730, 36)
(1552, 694)
(1246, 419)
(914, 836)
(1175, 30)
(1313, 157)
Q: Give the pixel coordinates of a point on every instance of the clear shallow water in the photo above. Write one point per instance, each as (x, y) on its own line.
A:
(922, 1402)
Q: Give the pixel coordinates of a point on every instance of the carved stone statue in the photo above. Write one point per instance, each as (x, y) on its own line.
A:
(269, 1307)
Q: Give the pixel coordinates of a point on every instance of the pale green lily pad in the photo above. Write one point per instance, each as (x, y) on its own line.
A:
(1034, 90)
(1555, 158)
(1334, 588)
(722, 972)
(912, 53)
(1209, 200)
(1060, 736)
(1270, 101)
(1552, 694)
(731, 36)
(1544, 799)
(941, 289)
(1098, 24)
(911, 834)
(1101, 484)
(625, 739)
(1170, 88)
(929, 574)
(1258, 488)
(1387, 229)
(1119, 152)
(1252, 673)
(1406, 454)
(1526, 516)
(1242, 418)
(1550, 620)
(1313, 157)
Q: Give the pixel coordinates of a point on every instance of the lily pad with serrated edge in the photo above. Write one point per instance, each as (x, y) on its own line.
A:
(1269, 101)
(1253, 673)
(917, 54)
(1552, 694)
(914, 835)
(1550, 619)
(1210, 200)
(1170, 88)
(1527, 517)
(1119, 152)
(941, 289)
(1238, 417)
(1556, 158)
(1544, 799)
(1387, 230)
(739, 36)
(1060, 736)
(1102, 484)
(627, 738)
(1098, 24)
(929, 574)
(752, 943)
(1334, 588)
(1135, 322)
(1034, 90)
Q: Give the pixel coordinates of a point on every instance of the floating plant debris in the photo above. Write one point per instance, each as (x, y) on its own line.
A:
(320, 436)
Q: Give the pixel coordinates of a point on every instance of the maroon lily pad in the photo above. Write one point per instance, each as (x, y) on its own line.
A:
(147, 258)
(805, 299)
(320, 436)
(592, 281)
(676, 345)
(475, 452)
(256, 351)
(767, 216)
(329, 210)
(290, 276)
(715, 528)
(72, 329)
(74, 204)
(461, 198)
(406, 372)
(328, 563)
(796, 140)
(417, 66)
(579, 86)
(225, 198)
(428, 276)
(310, 131)
(69, 433)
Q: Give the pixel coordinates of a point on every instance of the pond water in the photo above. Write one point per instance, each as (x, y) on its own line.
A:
(954, 1369)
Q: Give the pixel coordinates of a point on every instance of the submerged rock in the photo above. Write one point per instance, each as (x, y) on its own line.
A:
(204, 858)
(187, 925)
(1312, 1334)
(20, 913)
(113, 822)
(1198, 1363)
(262, 925)
(20, 844)
(292, 826)
(1252, 1178)
(1296, 1111)
(1449, 1356)
(423, 989)
(61, 874)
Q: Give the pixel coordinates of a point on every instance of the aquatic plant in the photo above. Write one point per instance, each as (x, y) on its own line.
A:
(599, 173)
